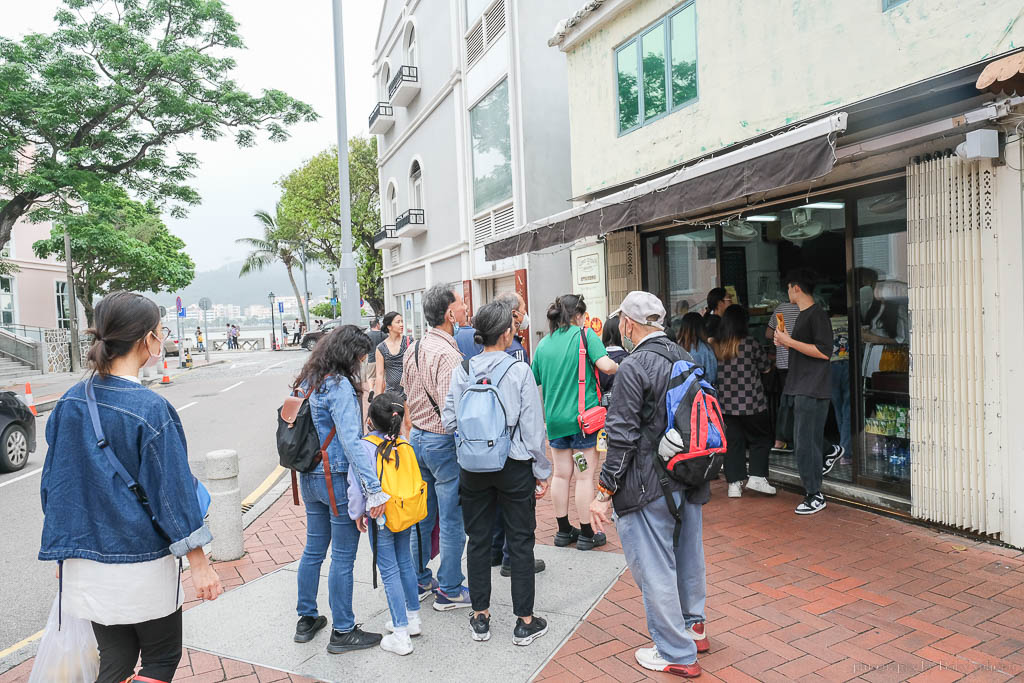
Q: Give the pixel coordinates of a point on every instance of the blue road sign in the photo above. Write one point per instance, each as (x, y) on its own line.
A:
(334, 301)
(280, 307)
(181, 312)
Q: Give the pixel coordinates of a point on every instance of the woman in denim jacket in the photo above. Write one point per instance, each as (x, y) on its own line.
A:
(331, 378)
(116, 567)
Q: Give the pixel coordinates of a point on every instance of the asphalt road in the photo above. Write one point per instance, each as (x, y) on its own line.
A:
(231, 405)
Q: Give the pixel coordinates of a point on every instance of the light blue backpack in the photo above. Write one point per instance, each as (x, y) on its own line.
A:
(483, 438)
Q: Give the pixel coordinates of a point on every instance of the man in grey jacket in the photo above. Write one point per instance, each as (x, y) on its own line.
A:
(672, 579)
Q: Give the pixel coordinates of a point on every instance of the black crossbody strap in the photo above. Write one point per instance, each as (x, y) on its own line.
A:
(430, 398)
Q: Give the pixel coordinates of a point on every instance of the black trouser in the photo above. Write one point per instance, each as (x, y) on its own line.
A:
(784, 420)
(499, 549)
(809, 415)
(481, 492)
(158, 640)
(742, 431)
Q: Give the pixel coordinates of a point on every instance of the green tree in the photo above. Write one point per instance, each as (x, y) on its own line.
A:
(112, 93)
(118, 244)
(324, 309)
(310, 199)
(276, 244)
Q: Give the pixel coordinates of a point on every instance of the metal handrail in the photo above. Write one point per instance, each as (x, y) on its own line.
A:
(21, 343)
(410, 217)
(386, 232)
(382, 109)
(405, 73)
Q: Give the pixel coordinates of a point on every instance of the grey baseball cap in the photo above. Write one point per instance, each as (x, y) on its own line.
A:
(644, 308)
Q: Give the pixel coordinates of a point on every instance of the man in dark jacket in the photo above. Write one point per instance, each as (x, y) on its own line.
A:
(672, 579)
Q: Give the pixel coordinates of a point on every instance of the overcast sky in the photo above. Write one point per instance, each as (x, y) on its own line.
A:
(290, 47)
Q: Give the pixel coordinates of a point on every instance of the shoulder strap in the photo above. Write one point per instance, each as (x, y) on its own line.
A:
(105, 448)
(508, 363)
(433, 403)
(582, 373)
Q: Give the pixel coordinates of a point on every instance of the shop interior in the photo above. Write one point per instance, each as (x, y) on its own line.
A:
(856, 242)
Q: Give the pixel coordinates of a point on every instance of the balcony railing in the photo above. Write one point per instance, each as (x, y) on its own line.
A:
(387, 237)
(404, 86)
(411, 223)
(382, 118)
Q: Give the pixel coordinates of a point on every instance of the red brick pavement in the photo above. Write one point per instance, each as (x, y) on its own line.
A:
(842, 595)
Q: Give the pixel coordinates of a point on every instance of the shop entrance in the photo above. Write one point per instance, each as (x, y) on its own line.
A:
(856, 242)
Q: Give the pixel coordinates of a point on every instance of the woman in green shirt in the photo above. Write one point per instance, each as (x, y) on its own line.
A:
(556, 369)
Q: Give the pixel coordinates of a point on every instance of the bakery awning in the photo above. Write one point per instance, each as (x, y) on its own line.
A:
(799, 155)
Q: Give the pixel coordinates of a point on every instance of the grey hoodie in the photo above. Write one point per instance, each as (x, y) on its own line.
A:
(521, 398)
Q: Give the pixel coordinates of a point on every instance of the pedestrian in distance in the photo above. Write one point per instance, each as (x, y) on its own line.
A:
(671, 577)
(557, 369)
(199, 340)
(612, 341)
(235, 332)
(810, 384)
(383, 443)
(297, 332)
(116, 550)
(389, 354)
(376, 337)
(520, 323)
(516, 485)
(742, 362)
(784, 421)
(719, 299)
(330, 377)
(284, 334)
(426, 379)
(694, 341)
(229, 335)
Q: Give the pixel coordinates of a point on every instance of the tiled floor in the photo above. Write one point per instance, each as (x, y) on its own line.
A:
(841, 595)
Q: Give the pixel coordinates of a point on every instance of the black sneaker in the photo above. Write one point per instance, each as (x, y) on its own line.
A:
(356, 639)
(307, 628)
(480, 625)
(564, 538)
(538, 567)
(527, 633)
(496, 558)
(832, 458)
(589, 543)
(811, 504)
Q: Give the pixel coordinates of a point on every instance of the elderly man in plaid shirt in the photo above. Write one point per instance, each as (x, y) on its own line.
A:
(426, 378)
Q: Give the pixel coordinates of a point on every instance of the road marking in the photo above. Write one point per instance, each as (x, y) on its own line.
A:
(232, 387)
(270, 367)
(21, 643)
(187, 405)
(11, 481)
(264, 487)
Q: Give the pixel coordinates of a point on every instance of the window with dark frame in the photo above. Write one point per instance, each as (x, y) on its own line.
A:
(889, 4)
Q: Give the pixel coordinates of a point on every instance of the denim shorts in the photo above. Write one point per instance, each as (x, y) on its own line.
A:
(576, 442)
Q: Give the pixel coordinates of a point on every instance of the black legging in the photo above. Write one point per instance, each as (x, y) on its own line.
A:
(158, 640)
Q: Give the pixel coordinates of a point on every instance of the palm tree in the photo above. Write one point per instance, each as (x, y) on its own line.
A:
(272, 247)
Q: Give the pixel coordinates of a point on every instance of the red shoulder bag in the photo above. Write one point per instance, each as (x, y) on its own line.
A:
(591, 421)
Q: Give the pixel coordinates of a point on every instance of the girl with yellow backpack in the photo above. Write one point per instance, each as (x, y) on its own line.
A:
(399, 474)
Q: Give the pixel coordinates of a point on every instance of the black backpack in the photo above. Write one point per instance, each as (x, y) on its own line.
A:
(298, 444)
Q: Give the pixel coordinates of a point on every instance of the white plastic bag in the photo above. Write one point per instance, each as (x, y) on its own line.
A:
(67, 655)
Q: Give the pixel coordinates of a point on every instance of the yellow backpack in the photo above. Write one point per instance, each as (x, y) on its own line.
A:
(400, 478)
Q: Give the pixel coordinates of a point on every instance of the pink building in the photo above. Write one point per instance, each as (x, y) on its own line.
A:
(34, 296)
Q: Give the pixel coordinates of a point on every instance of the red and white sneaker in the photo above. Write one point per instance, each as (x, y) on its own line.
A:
(700, 636)
(649, 658)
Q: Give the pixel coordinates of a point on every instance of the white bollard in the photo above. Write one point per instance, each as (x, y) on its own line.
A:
(225, 517)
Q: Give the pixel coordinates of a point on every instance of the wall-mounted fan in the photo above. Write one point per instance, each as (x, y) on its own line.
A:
(802, 228)
(888, 203)
(741, 231)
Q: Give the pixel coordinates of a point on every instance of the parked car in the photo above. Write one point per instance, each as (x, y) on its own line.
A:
(172, 347)
(17, 432)
(310, 339)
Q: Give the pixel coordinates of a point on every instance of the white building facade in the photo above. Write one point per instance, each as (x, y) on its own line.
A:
(473, 141)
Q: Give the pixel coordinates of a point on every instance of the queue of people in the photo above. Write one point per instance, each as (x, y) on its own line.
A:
(416, 463)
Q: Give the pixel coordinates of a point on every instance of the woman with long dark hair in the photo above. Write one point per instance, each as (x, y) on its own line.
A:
(612, 340)
(556, 369)
(742, 361)
(523, 480)
(116, 549)
(390, 353)
(694, 339)
(331, 381)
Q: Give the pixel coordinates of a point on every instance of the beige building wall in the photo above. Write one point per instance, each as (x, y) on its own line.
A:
(765, 63)
(34, 285)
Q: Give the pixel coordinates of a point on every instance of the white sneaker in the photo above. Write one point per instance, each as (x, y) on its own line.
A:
(761, 485)
(398, 643)
(650, 658)
(414, 628)
(736, 489)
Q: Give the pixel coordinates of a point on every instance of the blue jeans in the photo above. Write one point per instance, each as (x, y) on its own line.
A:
(322, 530)
(394, 560)
(672, 580)
(440, 470)
(841, 400)
(576, 442)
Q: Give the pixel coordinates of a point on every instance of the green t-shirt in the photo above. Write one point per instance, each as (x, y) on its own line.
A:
(556, 368)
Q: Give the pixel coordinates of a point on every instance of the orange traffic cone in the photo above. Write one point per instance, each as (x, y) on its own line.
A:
(167, 378)
(30, 399)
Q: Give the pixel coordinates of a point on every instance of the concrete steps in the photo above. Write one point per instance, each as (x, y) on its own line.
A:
(9, 369)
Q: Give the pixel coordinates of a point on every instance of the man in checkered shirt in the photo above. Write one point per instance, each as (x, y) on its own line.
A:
(426, 378)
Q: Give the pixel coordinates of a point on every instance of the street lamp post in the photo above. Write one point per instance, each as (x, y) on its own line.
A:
(305, 282)
(273, 324)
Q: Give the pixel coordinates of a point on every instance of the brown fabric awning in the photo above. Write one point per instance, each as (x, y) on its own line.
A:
(1004, 75)
(666, 198)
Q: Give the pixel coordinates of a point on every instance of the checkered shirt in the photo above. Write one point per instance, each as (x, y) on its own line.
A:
(740, 391)
(439, 355)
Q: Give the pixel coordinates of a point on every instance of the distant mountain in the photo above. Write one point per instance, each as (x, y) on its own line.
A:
(224, 286)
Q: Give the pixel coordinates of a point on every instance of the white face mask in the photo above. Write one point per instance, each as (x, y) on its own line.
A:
(153, 360)
(525, 323)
